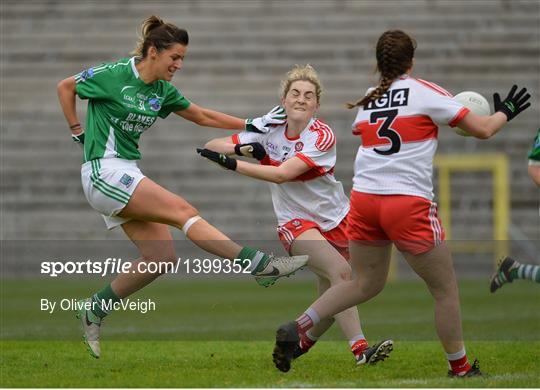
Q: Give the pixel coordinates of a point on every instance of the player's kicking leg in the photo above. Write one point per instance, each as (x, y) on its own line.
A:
(271, 268)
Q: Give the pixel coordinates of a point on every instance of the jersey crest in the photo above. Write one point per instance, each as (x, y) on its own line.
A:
(86, 74)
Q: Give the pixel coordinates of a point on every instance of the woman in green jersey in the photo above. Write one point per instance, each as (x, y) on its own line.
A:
(124, 99)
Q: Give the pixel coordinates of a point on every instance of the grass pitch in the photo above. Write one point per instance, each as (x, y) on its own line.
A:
(219, 333)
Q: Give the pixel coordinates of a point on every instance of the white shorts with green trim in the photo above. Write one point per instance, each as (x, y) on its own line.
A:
(108, 184)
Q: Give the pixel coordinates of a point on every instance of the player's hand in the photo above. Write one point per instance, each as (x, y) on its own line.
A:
(513, 104)
(219, 158)
(276, 116)
(251, 150)
(78, 138)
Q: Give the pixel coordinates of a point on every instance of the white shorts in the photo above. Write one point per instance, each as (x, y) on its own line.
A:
(108, 185)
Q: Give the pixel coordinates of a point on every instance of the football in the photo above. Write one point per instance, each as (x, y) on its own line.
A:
(474, 102)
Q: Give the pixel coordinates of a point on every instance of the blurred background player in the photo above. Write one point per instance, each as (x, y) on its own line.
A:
(392, 197)
(125, 98)
(534, 160)
(509, 269)
(298, 159)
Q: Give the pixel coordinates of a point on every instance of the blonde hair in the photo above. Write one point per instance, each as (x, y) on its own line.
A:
(301, 73)
(155, 32)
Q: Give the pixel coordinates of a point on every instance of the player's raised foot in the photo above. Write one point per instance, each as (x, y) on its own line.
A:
(272, 268)
(472, 372)
(376, 353)
(503, 274)
(287, 340)
(91, 325)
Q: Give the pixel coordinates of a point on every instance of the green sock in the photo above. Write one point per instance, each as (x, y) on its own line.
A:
(526, 271)
(500, 279)
(102, 301)
(254, 255)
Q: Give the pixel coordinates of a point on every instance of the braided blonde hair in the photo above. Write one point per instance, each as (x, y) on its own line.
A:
(395, 52)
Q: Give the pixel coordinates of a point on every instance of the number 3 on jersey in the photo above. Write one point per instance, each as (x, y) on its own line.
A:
(386, 131)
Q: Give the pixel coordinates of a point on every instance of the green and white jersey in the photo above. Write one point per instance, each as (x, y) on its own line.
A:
(534, 155)
(121, 107)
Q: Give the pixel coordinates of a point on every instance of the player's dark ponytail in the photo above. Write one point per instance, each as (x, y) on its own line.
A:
(395, 52)
(161, 35)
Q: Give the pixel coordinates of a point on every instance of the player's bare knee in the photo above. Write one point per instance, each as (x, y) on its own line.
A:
(449, 295)
(339, 273)
(188, 212)
(337, 276)
(442, 290)
(368, 289)
(185, 211)
(345, 272)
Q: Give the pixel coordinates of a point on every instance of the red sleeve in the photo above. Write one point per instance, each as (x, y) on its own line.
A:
(459, 116)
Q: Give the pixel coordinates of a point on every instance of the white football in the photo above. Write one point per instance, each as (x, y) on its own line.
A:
(474, 102)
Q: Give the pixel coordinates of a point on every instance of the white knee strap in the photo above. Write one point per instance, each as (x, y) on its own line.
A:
(190, 222)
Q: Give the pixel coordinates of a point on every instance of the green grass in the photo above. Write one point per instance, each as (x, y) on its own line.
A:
(248, 364)
(217, 333)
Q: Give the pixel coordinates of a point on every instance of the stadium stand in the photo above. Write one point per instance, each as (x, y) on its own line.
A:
(238, 53)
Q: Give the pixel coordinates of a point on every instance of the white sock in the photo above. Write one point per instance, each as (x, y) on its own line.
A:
(256, 260)
(313, 315)
(455, 356)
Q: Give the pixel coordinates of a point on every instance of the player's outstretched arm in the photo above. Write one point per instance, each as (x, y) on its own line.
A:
(226, 146)
(221, 145)
(485, 127)
(482, 127)
(287, 171)
(210, 118)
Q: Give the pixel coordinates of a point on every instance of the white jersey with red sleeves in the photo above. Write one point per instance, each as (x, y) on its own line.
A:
(399, 137)
(315, 195)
